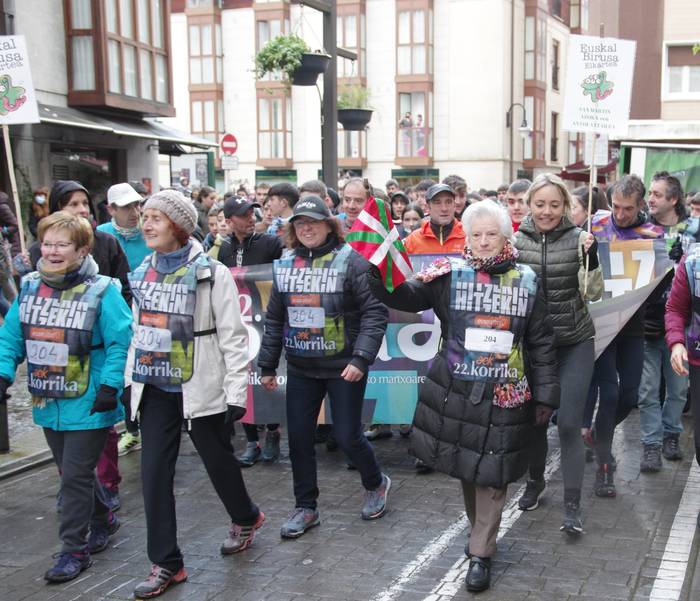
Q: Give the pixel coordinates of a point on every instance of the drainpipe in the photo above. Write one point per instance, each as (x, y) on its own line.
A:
(512, 77)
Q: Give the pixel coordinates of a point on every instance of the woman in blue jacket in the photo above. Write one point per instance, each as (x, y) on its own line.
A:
(74, 328)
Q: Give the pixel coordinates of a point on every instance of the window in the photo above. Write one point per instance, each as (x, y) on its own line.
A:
(267, 30)
(274, 127)
(682, 72)
(351, 36)
(131, 25)
(578, 12)
(535, 47)
(351, 144)
(82, 45)
(576, 146)
(533, 145)
(555, 7)
(554, 139)
(415, 43)
(207, 118)
(555, 65)
(415, 135)
(205, 53)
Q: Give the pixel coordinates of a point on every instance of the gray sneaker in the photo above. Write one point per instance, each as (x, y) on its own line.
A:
(251, 455)
(271, 450)
(299, 522)
(374, 506)
(671, 447)
(651, 459)
(241, 537)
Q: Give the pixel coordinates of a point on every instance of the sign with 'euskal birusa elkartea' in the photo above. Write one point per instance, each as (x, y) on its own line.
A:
(598, 85)
(17, 96)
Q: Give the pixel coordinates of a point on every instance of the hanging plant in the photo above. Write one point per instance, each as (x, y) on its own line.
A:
(290, 55)
(354, 113)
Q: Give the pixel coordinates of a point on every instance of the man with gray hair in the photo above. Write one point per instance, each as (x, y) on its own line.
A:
(618, 369)
(317, 188)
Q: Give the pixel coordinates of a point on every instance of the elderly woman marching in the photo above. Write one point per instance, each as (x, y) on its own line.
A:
(494, 377)
(73, 327)
(556, 250)
(187, 363)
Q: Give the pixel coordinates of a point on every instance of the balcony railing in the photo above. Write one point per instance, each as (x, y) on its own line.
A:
(415, 142)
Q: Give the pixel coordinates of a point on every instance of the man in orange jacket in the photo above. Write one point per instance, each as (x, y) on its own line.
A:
(443, 233)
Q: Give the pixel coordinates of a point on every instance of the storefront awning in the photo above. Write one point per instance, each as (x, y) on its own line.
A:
(146, 129)
(580, 172)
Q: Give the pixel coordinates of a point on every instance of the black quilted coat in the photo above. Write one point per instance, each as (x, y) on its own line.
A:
(457, 429)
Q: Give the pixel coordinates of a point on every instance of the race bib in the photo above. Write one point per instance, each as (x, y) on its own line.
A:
(54, 354)
(306, 317)
(153, 339)
(488, 341)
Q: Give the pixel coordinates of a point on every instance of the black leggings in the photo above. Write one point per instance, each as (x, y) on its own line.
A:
(161, 428)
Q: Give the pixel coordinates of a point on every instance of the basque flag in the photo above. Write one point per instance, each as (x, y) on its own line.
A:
(376, 238)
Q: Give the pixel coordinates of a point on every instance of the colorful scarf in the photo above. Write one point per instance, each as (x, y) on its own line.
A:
(508, 253)
(74, 274)
(128, 233)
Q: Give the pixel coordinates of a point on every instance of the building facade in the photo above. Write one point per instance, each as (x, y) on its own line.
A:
(102, 74)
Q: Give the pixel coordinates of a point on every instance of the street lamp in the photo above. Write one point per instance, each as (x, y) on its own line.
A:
(524, 130)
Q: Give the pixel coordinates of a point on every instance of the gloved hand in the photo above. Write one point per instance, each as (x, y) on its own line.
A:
(592, 253)
(233, 413)
(105, 400)
(543, 413)
(4, 385)
(676, 251)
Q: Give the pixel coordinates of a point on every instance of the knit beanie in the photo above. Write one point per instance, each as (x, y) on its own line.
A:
(176, 207)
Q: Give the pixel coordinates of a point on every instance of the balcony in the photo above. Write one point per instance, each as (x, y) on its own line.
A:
(414, 146)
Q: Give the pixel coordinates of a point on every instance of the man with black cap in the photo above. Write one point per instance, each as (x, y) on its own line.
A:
(443, 233)
(244, 246)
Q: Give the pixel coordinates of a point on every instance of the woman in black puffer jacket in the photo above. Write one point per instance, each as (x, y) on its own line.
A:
(323, 314)
(476, 410)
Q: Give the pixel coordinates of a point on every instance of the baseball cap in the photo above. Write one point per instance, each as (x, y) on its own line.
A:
(235, 206)
(122, 195)
(435, 189)
(311, 206)
(400, 194)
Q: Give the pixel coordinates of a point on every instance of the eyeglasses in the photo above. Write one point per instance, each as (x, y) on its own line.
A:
(57, 245)
(299, 223)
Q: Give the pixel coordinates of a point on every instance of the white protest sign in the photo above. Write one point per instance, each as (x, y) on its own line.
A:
(17, 96)
(598, 84)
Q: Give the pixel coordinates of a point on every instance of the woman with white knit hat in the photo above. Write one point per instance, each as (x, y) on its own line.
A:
(187, 362)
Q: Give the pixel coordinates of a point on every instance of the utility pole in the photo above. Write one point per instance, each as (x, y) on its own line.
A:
(329, 106)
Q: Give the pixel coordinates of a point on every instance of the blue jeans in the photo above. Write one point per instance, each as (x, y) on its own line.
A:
(304, 398)
(656, 420)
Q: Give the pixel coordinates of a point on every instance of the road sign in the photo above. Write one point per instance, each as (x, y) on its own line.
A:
(229, 144)
(229, 163)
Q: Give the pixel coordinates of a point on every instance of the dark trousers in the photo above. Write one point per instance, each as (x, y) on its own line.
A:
(304, 398)
(83, 503)
(618, 371)
(251, 431)
(161, 427)
(695, 404)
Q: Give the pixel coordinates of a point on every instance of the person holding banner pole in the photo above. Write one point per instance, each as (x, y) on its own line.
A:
(618, 369)
(494, 377)
(562, 255)
(322, 313)
(660, 420)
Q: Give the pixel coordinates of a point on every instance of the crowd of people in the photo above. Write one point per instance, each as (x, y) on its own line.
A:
(135, 319)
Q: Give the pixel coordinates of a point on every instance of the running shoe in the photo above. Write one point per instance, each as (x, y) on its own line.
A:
(604, 485)
(530, 499)
(99, 536)
(374, 506)
(271, 449)
(671, 447)
(377, 431)
(128, 442)
(572, 523)
(251, 455)
(241, 537)
(157, 581)
(68, 566)
(299, 522)
(651, 459)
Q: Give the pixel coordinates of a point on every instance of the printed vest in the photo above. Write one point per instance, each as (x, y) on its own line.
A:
(57, 327)
(692, 334)
(164, 336)
(312, 293)
(488, 316)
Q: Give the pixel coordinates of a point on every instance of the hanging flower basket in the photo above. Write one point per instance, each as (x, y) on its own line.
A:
(312, 65)
(354, 119)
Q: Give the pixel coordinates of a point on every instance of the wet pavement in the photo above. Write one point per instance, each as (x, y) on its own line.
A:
(640, 545)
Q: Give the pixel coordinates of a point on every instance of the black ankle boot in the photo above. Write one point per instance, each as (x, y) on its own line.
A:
(479, 574)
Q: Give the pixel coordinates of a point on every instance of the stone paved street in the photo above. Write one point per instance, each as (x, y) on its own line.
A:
(414, 553)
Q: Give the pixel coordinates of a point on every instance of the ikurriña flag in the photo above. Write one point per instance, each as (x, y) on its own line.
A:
(376, 238)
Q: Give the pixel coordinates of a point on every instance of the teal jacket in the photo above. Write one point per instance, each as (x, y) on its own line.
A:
(135, 249)
(112, 334)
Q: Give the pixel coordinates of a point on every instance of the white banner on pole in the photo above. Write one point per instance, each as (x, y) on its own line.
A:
(598, 87)
(17, 95)
(601, 149)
